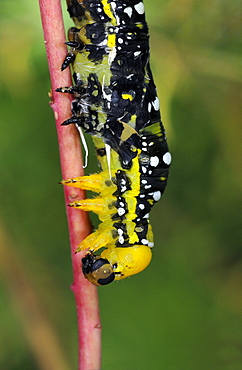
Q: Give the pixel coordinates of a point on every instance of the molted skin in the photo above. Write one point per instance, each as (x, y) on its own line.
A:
(116, 102)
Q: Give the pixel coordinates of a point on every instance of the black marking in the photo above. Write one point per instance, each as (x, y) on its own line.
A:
(68, 60)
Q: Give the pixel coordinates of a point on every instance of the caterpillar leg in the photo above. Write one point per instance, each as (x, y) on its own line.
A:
(96, 182)
(95, 205)
(99, 239)
(91, 182)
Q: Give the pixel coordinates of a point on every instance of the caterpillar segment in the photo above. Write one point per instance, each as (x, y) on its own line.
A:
(120, 232)
(123, 206)
(115, 95)
(115, 101)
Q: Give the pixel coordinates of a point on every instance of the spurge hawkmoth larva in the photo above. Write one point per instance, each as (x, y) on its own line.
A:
(115, 101)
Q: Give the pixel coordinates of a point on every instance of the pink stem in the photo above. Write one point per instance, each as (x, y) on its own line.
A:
(89, 328)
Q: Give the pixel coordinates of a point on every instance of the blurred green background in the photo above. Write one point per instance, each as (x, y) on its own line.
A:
(184, 311)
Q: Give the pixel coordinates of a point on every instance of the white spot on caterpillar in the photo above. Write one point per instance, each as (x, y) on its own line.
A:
(154, 161)
(167, 158)
(141, 206)
(140, 8)
(150, 244)
(156, 103)
(144, 169)
(123, 187)
(121, 238)
(149, 107)
(121, 211)
(137, 53)
(128, 11)
(156, 196)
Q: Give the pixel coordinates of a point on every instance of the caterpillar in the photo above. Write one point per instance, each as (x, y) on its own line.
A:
(115, 101)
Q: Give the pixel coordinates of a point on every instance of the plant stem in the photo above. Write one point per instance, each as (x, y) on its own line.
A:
(89, 328)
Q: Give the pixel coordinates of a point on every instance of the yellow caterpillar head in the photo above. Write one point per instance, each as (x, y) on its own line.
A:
(116, 263)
